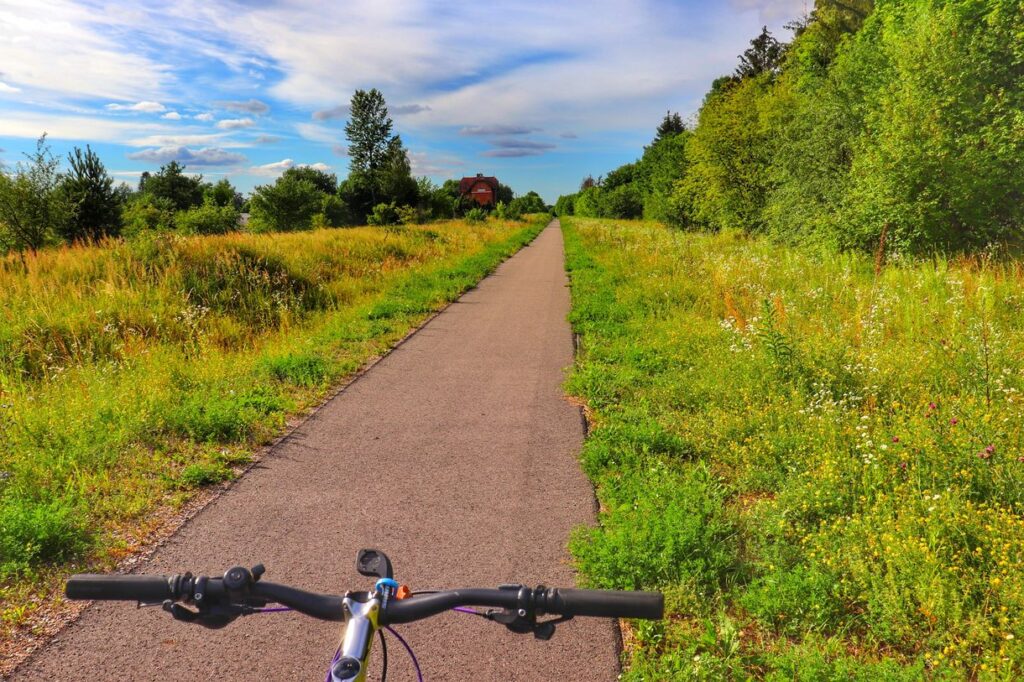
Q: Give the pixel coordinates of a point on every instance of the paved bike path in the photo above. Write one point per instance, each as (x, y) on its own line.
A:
(456, 455)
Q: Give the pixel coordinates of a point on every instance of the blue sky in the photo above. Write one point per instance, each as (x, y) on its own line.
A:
(538, 93)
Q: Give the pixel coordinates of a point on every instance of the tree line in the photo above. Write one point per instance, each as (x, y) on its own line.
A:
(42, 204)
(893, 123)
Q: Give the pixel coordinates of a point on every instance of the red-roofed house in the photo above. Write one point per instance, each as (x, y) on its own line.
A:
(482, 190)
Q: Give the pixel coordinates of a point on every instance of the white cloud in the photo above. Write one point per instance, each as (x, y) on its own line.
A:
(172, 116)
(145, 107)
(276, 168)
(203, 117)
(608, 72)
(62, 46)
(272, 169)
(90, 129)
(208, 156)
(8, 89)
(235, 123)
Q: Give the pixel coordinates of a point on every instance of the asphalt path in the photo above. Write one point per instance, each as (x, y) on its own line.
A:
(456, 454)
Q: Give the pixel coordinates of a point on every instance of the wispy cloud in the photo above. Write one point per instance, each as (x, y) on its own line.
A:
(252, 106)
(568, 135)
(267, 139)
(407, 109)
(207, 116)
(8, 89)
(340, 150)
(235, 123)
(185, 140)
(144, 107)
(511, 153)
(426, 163)
(319, 133)
(172, 116)
(497, 130)
(522, 144)
(207, 156)
(340, 111)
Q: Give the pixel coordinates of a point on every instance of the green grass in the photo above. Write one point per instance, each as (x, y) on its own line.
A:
(132, 374)
(821, 466)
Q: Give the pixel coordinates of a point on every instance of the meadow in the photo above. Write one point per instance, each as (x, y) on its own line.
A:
(134, 373)
(819, 457)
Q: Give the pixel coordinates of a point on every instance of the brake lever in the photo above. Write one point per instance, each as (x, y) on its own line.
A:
(522, 622)
(213, 617)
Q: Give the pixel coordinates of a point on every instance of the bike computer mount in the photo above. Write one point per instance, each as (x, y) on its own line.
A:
(374, 563)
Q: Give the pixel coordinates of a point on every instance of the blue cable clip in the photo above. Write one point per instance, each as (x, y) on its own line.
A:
(386, 587)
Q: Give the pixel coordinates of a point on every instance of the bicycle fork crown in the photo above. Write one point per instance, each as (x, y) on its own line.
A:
(361, 613)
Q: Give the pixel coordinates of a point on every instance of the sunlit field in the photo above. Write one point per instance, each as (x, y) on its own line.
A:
(818, 457)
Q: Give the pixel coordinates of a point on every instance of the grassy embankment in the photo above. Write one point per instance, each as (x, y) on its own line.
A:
(133, 374)
(822, 466)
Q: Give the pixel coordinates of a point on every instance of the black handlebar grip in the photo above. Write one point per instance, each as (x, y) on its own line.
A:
(144, 588)
(607, 604)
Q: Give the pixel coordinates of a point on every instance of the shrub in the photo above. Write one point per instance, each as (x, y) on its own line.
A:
(203, 474)
(409, 215)
(287, 205)
(207, 219)
(302, 370)
(667, 528)
(147, 213)
(34, 533)
(475, 215)
(383, 214)
(227, 418)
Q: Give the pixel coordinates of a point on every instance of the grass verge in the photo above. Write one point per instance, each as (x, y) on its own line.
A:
(821, 463)
(132, 375)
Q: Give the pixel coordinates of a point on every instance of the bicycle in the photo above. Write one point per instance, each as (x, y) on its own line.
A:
(239, 592)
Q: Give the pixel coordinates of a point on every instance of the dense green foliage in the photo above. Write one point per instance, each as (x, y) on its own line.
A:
(90, 190)
(895, 125)
(819, 462)
(33, 209)
(289, 204)
(215, 339)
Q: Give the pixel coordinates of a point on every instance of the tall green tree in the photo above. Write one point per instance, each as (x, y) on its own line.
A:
(90, 190)
(33, 210)
(368, 132)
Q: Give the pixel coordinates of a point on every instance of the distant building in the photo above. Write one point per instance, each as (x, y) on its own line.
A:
(482, 190)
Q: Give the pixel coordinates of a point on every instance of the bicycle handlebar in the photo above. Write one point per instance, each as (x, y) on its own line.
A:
(566, 602)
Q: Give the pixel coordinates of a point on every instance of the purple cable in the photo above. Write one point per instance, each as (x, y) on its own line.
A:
(273, 609)
(415, 663)
(330, 671)
(461, 609)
